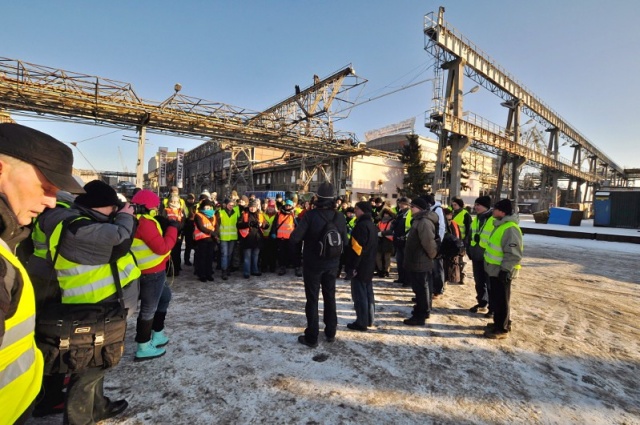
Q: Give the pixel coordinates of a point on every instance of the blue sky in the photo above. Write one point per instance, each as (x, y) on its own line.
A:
(580, 57)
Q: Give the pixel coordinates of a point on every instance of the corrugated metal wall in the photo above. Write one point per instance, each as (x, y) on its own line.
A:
(625, 209)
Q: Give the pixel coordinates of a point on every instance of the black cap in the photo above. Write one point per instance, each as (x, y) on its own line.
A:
(364, 206)
(50, 156)
(458, 201)
(98, 194)
(420, 203)
(485, 201)
(505, 206)
(325, 190)
(429, 199)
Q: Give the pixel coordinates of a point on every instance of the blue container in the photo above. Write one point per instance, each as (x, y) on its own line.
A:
(564, 216)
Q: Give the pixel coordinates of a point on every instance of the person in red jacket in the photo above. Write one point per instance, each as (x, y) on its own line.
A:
(152, 248)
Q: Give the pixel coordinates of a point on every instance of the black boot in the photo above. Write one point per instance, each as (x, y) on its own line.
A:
(158, 321)
(143, 330)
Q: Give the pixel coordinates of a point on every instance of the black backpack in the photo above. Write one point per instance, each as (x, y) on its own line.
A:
(331, 243)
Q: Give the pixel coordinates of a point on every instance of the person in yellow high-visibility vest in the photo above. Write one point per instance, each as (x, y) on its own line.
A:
(33, 167)
(462, 217)
(481, 227)
(502, 258)
(88, 253)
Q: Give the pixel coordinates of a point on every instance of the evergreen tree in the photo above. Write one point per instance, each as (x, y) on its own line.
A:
(415, 180)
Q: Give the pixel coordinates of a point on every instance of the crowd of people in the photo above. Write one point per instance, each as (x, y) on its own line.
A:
(94, 248)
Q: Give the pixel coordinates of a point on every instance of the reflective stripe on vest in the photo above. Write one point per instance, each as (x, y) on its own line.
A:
(459, 218)
(21, 362)
(89, 284)
(407, 222)
(174, 214)
(484, 231)
(493, 253)
(245, 218)
(383, 226)
(145, 257)
(269, 219)
(228, 229)
(40, 247)
(209, 223)
(285, 226)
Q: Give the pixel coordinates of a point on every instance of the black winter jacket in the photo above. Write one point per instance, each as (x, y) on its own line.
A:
(361, 252)
(310, 229)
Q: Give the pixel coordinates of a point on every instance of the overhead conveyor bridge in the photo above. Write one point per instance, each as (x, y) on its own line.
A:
(459, 57)
(302, 123)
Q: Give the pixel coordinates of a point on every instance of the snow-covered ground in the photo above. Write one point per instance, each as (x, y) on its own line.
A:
(573, 356)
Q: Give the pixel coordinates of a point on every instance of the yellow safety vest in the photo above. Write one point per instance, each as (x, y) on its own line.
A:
(493, 253)
(459, 218)
(228, 228)
(269, 219)
(89, 284)
(484, 231)
(40, 247)
(145, 257)
(21, 363)
(407, 222)
(351, 223)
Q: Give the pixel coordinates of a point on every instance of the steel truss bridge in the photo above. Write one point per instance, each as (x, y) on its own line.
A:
(301, 124)
(458, 56)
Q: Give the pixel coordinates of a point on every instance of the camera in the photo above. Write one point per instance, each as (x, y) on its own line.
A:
(139, 209)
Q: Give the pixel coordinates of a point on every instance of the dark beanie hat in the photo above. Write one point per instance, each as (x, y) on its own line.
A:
(429, 199)
(504, 205)
(458, 201)
(325, 190)
(420, 203)
(485, 201)
(98, 194)
(364, 206)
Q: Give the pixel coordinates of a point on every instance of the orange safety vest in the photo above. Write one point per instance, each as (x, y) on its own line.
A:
(382, 226)
(285, 226)
(245, 218)
(209, 223)
(175, 214)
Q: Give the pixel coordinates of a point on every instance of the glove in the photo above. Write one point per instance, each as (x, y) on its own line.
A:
(175, 224)
(504, 275)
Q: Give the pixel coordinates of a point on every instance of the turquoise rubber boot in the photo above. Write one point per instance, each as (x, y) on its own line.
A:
(148, 351)
(159, 339)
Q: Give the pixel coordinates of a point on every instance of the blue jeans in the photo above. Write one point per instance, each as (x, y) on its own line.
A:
(155, 295)
(251, 256)
(363, 301)
(226, 249)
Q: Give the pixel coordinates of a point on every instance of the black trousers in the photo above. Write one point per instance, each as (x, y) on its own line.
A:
(314, 280)
(437, 276)
(500, 301)
(203, 258)
(364, 302)
(481, 280)
(188, 241)
(85, 403)
(176, 256)
(399, 245)
(422, 286)
(268, 255)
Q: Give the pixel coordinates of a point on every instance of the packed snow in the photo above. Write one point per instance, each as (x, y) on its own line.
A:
(573, 356)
